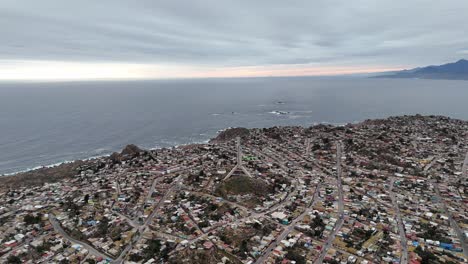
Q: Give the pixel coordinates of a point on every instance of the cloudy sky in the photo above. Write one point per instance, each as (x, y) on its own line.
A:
(90, 39)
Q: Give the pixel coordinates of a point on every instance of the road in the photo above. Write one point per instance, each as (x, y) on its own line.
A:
(307, 149)
(465, 167)
(338, 175)
(453, 223)
(257, 215)
(151, 190)
(233, 204)
(141, 229)
(340, 221)
(24, 244)
(129, 221)
(252, 216)
(280, 164)
(288, 229)
(401, 229)
(264, 213)
(58, 228)
(373, 198)
(163, 235)
(430, 164)
(330, 240)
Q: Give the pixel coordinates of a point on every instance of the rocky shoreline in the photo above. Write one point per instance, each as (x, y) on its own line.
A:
(69, 169)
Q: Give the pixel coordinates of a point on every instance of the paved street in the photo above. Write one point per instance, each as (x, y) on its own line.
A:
(141, 229)
(401, 229)
(59, 229)
(287, 230)
(453, 223)
(465, 167)
(340, 221)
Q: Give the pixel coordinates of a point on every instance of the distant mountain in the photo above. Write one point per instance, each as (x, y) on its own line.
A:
(450, 71)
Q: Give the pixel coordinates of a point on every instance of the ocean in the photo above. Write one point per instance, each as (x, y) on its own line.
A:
(49, 123)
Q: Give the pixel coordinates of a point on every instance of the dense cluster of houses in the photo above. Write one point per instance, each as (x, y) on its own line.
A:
(297, 199)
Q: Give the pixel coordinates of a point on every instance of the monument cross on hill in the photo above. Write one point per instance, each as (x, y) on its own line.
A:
(239, 166)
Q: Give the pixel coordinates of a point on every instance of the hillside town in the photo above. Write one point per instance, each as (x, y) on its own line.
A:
(381, 191)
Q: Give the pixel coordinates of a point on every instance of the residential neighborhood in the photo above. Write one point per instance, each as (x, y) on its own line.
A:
(381, 191)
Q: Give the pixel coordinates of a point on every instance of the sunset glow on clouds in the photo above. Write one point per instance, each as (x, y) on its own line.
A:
(53, 70)
(123, 39)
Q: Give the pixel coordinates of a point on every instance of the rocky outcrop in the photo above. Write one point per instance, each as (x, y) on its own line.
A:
(129, 152)
(230, 134)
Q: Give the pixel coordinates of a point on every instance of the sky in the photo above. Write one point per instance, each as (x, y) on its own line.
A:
(126, 39)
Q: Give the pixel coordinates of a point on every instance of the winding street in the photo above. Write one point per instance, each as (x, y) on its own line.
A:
(58, 228)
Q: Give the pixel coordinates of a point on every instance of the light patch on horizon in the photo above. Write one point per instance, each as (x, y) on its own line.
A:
(103, 39)
(72, 71)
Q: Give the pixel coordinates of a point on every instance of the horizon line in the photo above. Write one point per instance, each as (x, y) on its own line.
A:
(61, 71)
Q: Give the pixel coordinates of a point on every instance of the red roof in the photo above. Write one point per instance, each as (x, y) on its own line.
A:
(12, 244)
(208, 245)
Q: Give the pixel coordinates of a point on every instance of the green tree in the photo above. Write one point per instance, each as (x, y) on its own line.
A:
(426, 256)
(103, 226)
(30, 219)
(243, 248)
(14, 260)
(295, 255)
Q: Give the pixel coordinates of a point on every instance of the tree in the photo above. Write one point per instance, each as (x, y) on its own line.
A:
(30, 219)
(426, 256)
(116, 234)
(295, 255)
(204, 224)
(153, 248)
(73, 208)
(44, 247)
(103, 226)
(225, 239)
(135, 257)
(243, 248)
(14, 260)
(257, 225)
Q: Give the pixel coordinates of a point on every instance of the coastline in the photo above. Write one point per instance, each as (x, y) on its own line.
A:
(91, 158)
(67, 167)
(206, 140)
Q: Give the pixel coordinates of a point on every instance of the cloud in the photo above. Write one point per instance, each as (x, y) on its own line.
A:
(237, 33)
